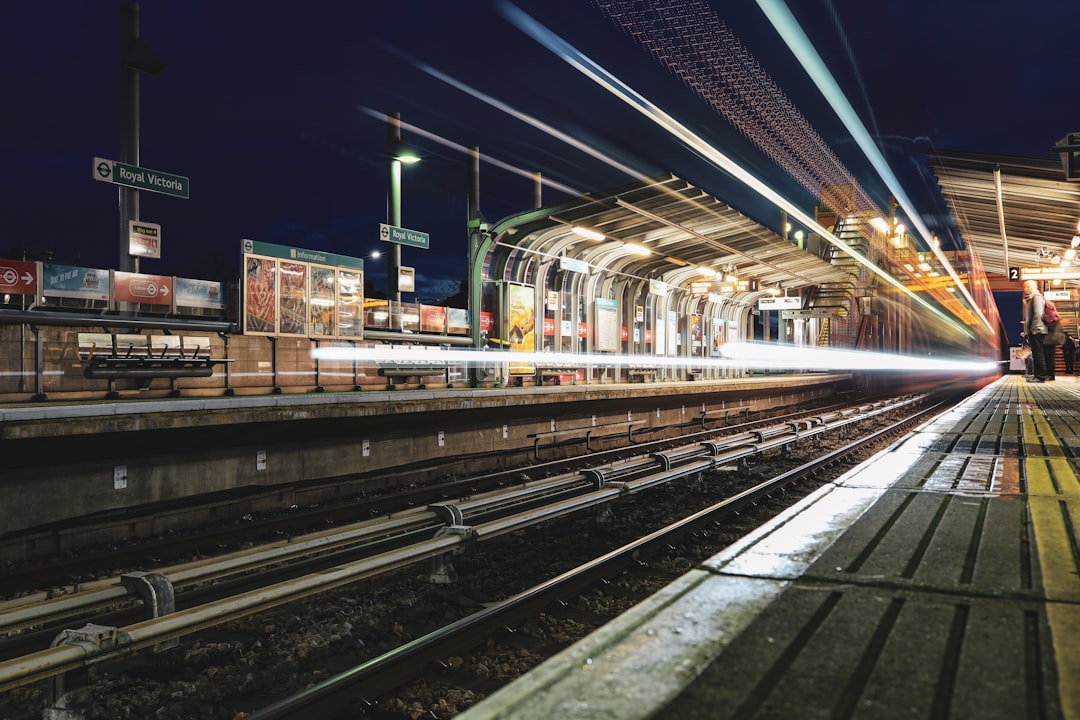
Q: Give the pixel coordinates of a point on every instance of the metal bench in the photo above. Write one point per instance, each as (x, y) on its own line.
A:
(406, 370)
(123, 356)
(641, 374)
(556, 374)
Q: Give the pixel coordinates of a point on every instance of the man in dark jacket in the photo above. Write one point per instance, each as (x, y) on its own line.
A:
(1068, 351)
(1035, 329)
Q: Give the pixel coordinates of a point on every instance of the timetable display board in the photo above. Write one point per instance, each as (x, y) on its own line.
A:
(294, 291)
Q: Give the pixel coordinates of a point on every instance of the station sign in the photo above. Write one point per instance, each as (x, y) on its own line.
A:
(285, 252)
(18, 278)
(403, 236)
(140, 178)
(1058, 295)
(144, 239)
(578, 266)
(779, 303)
(1055, 272)
(802, 314)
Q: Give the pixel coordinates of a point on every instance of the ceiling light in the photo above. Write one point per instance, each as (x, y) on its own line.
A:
(924, 266)
(880, 225)
(1075, 240)
(1055, 259)
(586, 232)
(1070, 253)
(637, 249)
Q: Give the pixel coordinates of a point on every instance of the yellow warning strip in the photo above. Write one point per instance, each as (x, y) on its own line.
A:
(1062, 618)
(1056, 540)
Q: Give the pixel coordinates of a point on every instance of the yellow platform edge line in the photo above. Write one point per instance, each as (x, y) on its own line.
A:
(1058, 566)
(1066, 655)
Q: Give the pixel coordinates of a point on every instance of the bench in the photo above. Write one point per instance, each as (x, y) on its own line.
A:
(641, 374)
(588, 431)
(133, 356)
(556, 374)
(418, 370)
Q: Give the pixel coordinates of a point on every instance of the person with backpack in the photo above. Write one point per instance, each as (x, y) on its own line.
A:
(1035, 329)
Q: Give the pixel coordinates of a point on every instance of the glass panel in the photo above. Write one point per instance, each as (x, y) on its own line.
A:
(292, 301)
(350, 301)
(322, 301)
(260, 306)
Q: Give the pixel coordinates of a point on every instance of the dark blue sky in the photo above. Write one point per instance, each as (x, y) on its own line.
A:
(261, 106)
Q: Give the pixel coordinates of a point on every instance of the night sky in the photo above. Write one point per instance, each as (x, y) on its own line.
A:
(276, 113)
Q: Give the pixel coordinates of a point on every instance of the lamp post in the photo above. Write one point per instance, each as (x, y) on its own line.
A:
(398, 153)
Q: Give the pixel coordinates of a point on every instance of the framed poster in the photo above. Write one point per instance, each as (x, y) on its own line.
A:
(260, 295)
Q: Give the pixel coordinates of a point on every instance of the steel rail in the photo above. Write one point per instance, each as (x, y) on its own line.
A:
(36, 666)
(335, 697)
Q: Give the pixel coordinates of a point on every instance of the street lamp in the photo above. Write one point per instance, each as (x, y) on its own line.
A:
(398, 152)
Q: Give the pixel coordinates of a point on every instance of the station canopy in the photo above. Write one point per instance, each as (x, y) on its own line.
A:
(666, 229)
(1011, 211)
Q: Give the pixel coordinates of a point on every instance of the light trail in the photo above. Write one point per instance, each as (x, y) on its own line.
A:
(624, 92)
(788, 28)
(734, 356)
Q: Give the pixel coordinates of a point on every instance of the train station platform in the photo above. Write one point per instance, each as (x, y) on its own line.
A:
(941, 578)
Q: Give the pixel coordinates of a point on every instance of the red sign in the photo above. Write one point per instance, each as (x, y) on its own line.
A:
(625, 334)
(19, 278)
(582, 330)
(549, 327)
(432, 318)
(146, 289)
(648, 336)
(487, 321)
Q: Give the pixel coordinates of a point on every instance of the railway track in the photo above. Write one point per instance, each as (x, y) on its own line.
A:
(313, 564)
(340, 696)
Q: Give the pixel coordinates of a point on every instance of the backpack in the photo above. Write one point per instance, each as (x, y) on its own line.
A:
(1050, 314)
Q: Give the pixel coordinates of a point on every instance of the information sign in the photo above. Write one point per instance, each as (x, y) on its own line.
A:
(144, 239)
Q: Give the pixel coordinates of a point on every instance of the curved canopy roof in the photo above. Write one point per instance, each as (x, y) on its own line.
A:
(1010, 211)
(665, 228)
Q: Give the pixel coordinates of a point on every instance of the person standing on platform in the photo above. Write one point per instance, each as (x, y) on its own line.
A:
(1035, 329)
(1068, 352)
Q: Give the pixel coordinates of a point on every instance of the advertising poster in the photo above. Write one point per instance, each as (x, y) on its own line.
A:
(457, 321)
(322, 302)
(717, 343)
(260, 296)
(697, 334)
(350, 300)
(64, 281)
(607, 325)
(432, 319)
(672, 333)
(139, 288)
(520, 319)
(198, 293)
(292, 298)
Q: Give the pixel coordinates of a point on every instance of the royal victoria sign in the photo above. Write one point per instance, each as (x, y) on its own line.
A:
(140, 178)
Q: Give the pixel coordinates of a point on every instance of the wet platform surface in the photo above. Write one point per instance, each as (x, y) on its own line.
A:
(940, 579)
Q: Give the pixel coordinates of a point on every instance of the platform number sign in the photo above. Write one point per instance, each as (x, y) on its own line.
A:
(1014, 274)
